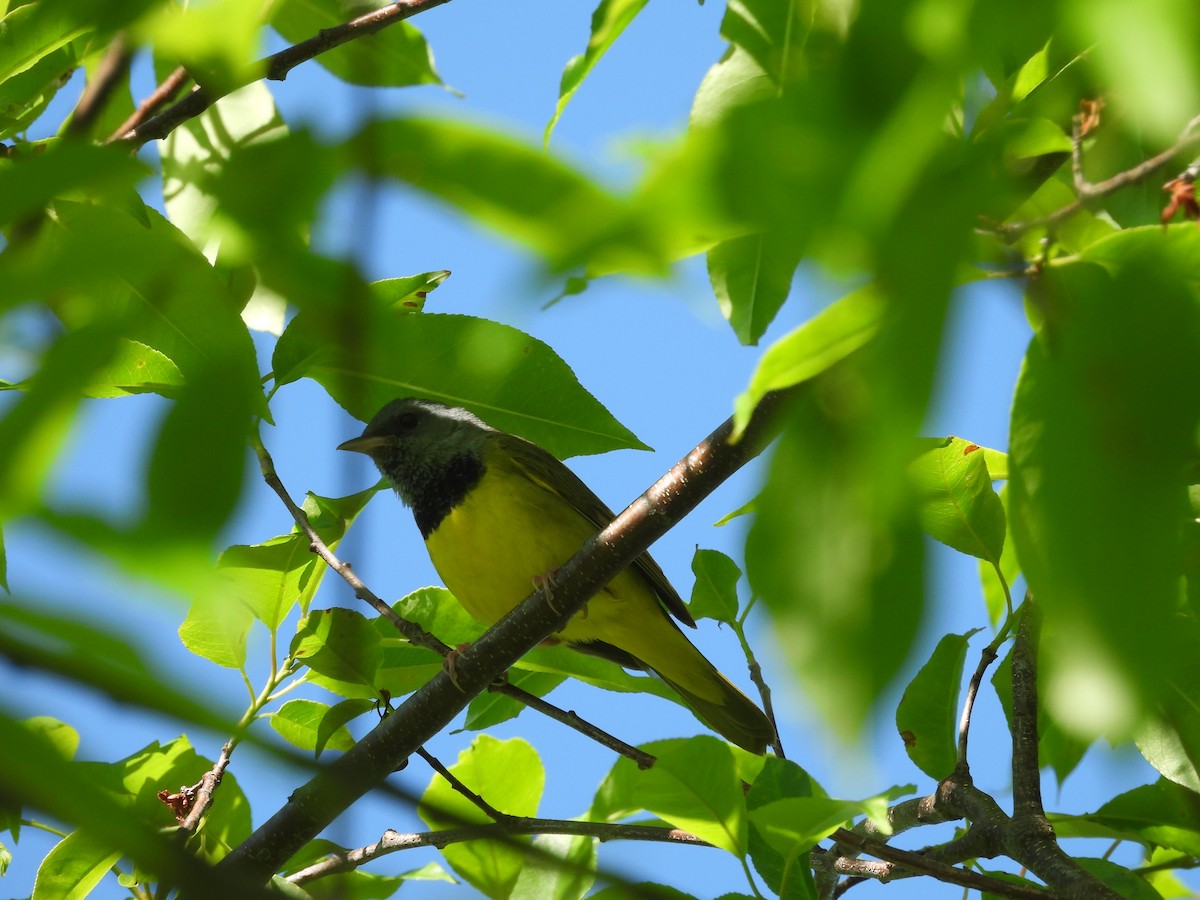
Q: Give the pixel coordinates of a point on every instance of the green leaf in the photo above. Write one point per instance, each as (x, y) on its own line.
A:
(3, 562)
(752, 277)
(772, 33)
(509, 775)
(998, 581)
(696, 787)
(1103, 429)
(562, 870)
(1162, 814)
(73, 867)
(789, 877)
(958, 505)
(521, 192)
(490, 709)
(927, 715)
(316, 726)
(511, 380)
(609, 20)
(135, 369)
(714, 595)
(216, 628)
(825, 340)
(339, 643)
(395, 56)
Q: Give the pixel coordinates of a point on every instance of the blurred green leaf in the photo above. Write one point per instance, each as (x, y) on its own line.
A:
(64, 738)
(1057, 749)
(396, 56)
(1162, 814)
(509, 774)
(958, 505)
(513, 381)
(772, 33)
(28, 182)
(73, 648)
(836, 554)
(825, 340)
(1103, 427)
(1142, 54)
(609, 20)
(927, 715)
(523, 193)
(195, 153)
(3, 563)
(338, 643)
(714, 595)
(696, 787)
(218, 42)
(74, 867)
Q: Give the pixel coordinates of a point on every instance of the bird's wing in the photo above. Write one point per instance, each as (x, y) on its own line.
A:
(544, 469)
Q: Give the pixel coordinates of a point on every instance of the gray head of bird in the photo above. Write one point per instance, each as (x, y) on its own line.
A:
(414, 442)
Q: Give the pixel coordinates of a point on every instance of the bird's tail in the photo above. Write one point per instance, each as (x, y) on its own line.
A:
(733, 715)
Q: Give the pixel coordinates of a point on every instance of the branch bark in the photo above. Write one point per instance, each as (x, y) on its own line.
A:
(276, 67)
(314, 805)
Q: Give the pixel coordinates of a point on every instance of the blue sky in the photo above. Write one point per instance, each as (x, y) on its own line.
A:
(657, 354)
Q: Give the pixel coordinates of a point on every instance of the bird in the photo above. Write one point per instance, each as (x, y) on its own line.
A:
(499, 515)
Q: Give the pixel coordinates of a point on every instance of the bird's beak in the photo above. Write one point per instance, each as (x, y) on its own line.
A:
(364, 444)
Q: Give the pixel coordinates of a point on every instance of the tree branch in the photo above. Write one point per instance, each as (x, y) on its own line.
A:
(1031, 839)
(96, 95)
(160, 97)
(276, 67)
(426, 712)
(393, 841)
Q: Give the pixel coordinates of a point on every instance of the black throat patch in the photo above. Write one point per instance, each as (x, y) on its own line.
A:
(433, 497)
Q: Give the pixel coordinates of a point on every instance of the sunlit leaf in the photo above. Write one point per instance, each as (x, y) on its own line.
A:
(609, 20)
(958, 505)
(509, 773)
(511, 380)
(927, 715)
(339, 643)
(695, 786)
(714, 595)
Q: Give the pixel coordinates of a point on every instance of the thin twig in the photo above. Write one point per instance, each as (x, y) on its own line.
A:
(455, 782)
(160, 97)
(276, 67)
(205, 789)
(986, 657)
(919, 864)
(422, 638)
(1088, 193)
(113, 67)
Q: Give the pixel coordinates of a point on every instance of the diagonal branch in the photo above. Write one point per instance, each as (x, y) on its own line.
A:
(314, 805)
(276, 67)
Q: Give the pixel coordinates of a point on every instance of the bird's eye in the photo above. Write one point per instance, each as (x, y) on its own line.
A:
(407, 422)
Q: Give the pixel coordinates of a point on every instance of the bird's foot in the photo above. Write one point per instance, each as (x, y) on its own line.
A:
(451, 660)
(545, 584)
